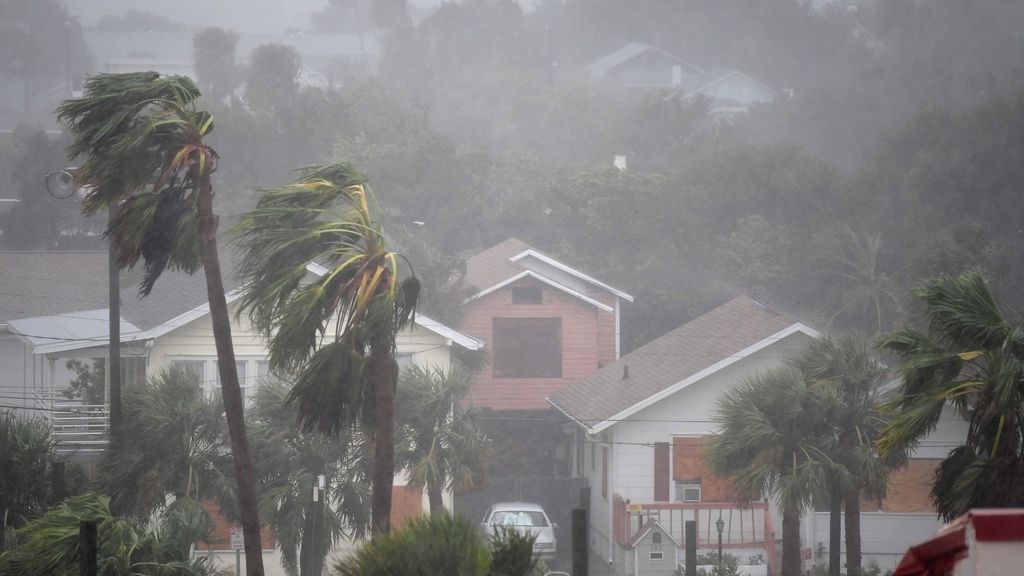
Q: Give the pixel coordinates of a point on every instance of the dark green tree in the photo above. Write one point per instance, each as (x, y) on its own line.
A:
(288, 463)
(970, 357)
(141, 141)
(442, 447)
(337, 332)
(774, 430)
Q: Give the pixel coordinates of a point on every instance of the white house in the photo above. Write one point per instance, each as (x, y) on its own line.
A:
(640, 424)
(727, 91)
(53, 309)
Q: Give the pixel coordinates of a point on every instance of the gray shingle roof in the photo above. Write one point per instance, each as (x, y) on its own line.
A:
(660, 364)
(36, 284)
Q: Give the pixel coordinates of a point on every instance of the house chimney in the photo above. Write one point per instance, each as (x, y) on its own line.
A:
(625, 371)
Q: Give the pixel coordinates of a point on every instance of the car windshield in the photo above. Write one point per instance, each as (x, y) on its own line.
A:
(519, 518)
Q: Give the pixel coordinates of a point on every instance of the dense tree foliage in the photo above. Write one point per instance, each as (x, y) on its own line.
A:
(969, 357)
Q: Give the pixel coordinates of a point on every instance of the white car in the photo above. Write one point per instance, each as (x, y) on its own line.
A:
(527, 519)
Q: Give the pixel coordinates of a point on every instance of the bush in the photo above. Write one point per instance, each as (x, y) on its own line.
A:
(442, 546)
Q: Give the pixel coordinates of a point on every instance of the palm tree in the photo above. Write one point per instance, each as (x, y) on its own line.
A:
(972, 358)
(178, 447)
(848, 370)
(29, 483)
(50, 545)
(141, 140)
(863, 295)
(773, 427)
(444, 447)
(337, 332)
(288, 463)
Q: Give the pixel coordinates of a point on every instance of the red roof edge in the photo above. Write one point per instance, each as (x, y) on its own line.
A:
(939, 554)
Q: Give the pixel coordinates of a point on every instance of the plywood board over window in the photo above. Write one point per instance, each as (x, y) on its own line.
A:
(527, 348)
(688, 468)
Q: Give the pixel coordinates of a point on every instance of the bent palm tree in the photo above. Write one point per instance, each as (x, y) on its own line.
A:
(289, 461)
(325, 221)
(141, 139)
(972, 358)
(850, 373)
(773, 427)
(443, 448)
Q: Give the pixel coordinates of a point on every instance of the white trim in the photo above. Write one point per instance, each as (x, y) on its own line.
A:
(450, 334)
(572, 271)
(529, 273)
(700, 375)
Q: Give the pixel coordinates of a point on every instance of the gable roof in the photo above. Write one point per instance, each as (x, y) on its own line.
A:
(605, 64)
(57, 301)
(699, 83)
(513, 259)
(646, 529)
(672, 362)
(45, 283)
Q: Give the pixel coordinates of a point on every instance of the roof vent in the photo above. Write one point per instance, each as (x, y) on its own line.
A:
(625, 371)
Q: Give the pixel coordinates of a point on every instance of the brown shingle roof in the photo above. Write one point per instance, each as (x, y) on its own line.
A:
(491, 266)
(658, 365)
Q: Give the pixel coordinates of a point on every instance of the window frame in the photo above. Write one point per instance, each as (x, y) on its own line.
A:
(545, 330)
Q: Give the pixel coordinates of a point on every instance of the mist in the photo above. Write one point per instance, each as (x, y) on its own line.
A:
(632, 168)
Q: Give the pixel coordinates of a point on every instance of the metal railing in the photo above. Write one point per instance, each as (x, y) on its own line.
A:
(745, 526)
(77, 428)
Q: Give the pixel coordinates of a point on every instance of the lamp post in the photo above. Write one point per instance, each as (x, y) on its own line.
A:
(720, 525)
(61, 185)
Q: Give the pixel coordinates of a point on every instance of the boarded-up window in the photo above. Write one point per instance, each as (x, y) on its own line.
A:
(527, 348)
(688, 468)
(661, 472)
(910, 487)
(527, 295)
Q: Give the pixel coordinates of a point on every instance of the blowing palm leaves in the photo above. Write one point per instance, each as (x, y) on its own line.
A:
(336, 332)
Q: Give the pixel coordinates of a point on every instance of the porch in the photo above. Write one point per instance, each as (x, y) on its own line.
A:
(78, 429)
(747, 529)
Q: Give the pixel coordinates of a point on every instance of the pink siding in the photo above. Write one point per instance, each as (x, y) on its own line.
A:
(588, 340)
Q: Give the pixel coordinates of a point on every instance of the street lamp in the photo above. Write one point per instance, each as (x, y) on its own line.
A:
(720, 525)
(61, 185)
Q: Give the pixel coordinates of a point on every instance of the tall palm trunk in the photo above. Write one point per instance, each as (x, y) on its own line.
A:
(853, 555)
(835, 528)
(790, 541)
(384, 439)
(230, 391)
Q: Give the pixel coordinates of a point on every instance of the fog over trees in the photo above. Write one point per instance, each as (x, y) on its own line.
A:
(903, 127)
(891, 150)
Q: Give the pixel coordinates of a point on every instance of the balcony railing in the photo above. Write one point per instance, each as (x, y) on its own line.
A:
(746, 527)
(77, 428)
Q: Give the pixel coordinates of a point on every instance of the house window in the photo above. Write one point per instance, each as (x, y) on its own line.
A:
(688, 492)
(527, 295)
(527, 348)
(656, 538)
(657, 555)
(404, 360)
(194, 368)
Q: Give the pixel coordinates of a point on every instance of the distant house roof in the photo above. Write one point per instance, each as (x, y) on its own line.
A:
(672, 362)
(58, 301)
(602, 66)
(45, 283)
(514, 259)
